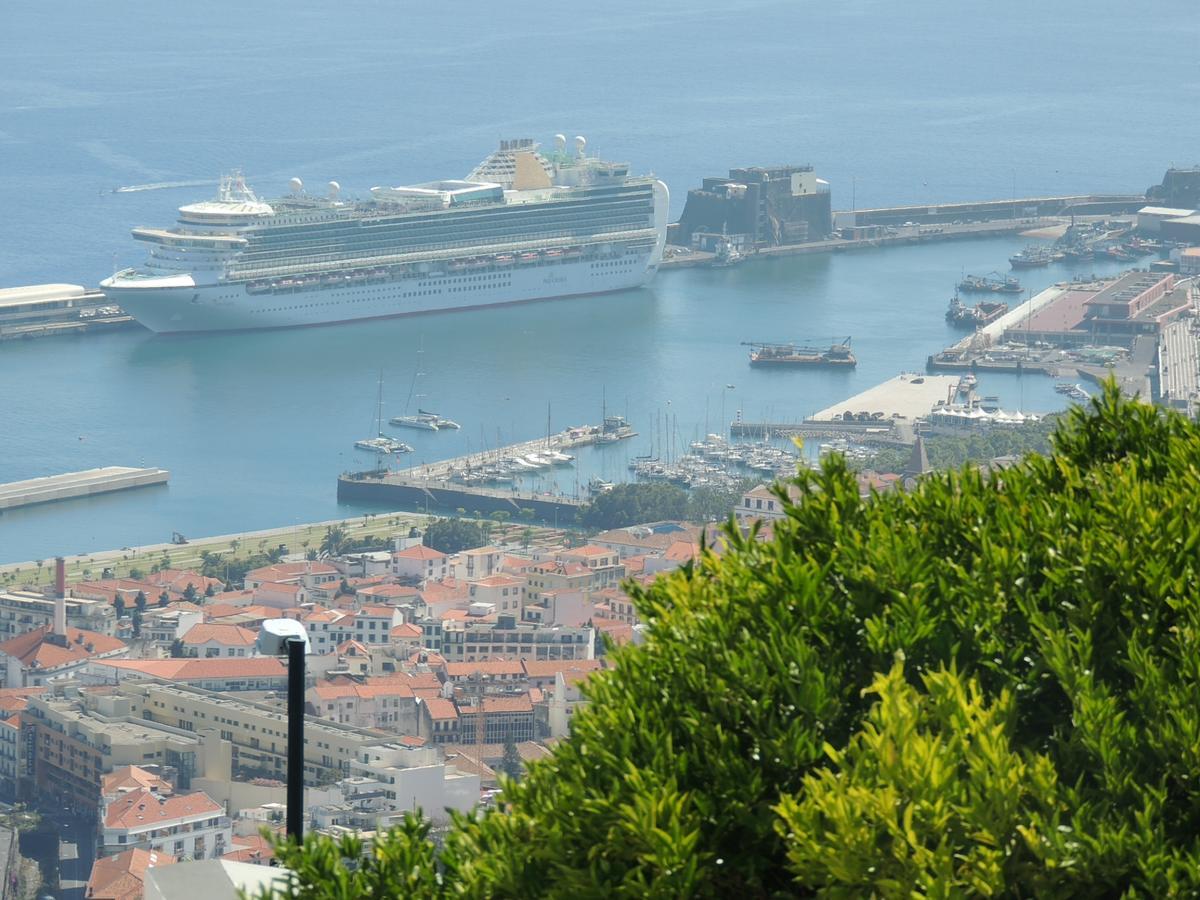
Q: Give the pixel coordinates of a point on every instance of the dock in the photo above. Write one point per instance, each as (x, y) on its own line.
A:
(77, 484)
(907, 396)
(432, 486)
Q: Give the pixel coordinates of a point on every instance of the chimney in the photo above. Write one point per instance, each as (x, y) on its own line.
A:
(60, 597)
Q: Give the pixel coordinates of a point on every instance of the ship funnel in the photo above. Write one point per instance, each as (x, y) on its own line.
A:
(296, 185)
(334, 190)
(580, 144)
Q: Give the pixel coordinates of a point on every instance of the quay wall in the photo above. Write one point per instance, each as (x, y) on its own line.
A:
(445, 497)
(77, 484)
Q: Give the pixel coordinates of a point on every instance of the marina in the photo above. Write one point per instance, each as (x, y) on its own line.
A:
(70, 485)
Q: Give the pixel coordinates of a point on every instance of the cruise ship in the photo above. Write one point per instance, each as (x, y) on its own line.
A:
(523, 225)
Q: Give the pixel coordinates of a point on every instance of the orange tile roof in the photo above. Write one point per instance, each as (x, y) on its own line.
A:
(392, 591)
(367, 691)
(589, 550)
(202, 669)
(377, 612)
(35, 647)
(501, 705)
(229, 635)
(407, 630)
(132, 778)
(290, 570)
(441, 709)
(498, 581)
(681, 551)
(420, 551)
(544, 668)
(353, 648)
(142, 809)
(486, 667)
(277, 587)
(122, 877)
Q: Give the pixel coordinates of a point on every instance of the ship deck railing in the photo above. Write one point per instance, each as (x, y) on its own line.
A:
(336, 263)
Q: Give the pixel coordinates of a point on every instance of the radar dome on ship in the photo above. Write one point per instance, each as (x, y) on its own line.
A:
(334, 189)
(580, 144)
(296, 185)
(560, 142)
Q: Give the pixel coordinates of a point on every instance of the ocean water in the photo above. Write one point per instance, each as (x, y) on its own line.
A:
(893, 103)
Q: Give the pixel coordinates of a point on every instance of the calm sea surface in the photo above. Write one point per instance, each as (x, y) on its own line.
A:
(895, 103)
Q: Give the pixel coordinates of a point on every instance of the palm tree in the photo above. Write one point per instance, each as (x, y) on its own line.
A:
(334, 541)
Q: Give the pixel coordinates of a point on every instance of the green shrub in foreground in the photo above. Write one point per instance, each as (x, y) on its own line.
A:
(989, 685)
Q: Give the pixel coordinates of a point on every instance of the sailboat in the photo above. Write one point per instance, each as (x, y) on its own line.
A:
(424, 420)
(381, 443)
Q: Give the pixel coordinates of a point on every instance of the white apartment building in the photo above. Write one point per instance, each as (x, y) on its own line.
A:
(185, 826)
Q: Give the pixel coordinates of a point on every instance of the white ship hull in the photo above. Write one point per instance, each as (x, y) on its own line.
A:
(176, 303)
(230, 307)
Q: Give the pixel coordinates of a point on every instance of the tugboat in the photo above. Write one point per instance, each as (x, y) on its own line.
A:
(726, 255)
(982, 313)
(787, 355)
(1031, 258)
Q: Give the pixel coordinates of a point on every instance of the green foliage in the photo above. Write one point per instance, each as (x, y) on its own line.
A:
(1041, 736)
(715, 504)
(139, 601)
(190, 593)
(397, 864)
(137, 623)
(452, 535)
(634, 504)
(949, 451)
(511, 763)
(119, 606)
(334, 541)
(135, 573)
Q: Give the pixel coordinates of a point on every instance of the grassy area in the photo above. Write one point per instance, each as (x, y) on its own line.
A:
(297, 539)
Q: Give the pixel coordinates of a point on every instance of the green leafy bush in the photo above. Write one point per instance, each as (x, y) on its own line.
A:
(989, 685)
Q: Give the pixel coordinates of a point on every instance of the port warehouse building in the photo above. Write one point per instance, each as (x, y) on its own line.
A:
(40, 303)
(1136, 304)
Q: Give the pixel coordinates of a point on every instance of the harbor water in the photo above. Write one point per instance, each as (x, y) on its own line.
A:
(255, 427)
(910, 103)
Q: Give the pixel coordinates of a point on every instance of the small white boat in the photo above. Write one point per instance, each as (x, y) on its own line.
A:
(383, 444)
(557, 458)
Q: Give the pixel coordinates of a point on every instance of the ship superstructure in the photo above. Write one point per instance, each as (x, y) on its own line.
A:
(524, 225)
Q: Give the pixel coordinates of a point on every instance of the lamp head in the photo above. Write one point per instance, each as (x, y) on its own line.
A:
(274, 635)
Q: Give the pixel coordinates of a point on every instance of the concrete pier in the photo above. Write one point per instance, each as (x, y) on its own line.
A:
(77, 484)
(906, 396)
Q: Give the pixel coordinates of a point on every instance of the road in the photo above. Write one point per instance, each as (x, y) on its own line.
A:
(76, 852)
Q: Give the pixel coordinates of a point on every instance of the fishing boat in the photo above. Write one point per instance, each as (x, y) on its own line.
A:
(982, 313)
(1031, 258)
(983, 284)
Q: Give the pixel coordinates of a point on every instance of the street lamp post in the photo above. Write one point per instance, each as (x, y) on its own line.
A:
(287, 637)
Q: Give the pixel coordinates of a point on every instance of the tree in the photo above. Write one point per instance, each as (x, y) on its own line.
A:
(139, 601)
(136, 574)
(177, 649)
(634, 504)
(119, 606)
(189, 593)
(164, 598)
(985, 685)
(526, 537)
(334, 541)
(210, 591)
(452, 535)
(713, 504)
(137, 623)
(511, 763)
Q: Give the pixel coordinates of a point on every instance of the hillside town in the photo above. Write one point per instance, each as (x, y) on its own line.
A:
(141, 709)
